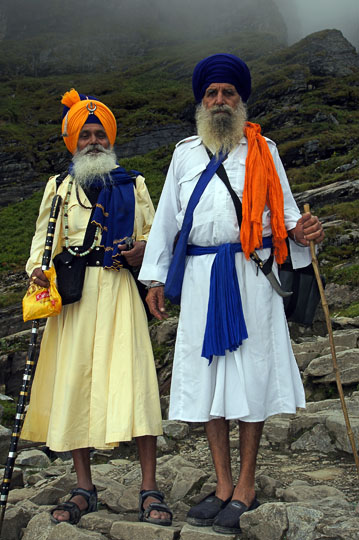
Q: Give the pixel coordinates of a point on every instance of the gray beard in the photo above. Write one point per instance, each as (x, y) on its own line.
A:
(87, 166)
(221, 131)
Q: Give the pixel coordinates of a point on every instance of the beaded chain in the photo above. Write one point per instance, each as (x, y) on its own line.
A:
(66, 221)
(79, 200)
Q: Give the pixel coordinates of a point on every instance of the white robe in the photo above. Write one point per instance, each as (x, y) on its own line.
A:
(261, 377)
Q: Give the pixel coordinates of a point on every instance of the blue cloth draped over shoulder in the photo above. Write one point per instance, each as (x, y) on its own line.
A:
(114, 213)
(174, 280)
(225, 326)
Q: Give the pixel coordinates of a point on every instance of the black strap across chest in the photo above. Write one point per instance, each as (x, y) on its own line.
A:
(221, 172)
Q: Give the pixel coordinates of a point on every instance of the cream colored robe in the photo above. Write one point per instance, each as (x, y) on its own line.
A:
(95, 383)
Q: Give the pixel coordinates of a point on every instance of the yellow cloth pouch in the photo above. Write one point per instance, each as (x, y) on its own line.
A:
(40, 303)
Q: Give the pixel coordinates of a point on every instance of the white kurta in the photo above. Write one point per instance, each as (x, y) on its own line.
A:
(261, 377)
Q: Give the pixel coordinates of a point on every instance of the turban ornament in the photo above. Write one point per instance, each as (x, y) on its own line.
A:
(221, 68)
(79, 110)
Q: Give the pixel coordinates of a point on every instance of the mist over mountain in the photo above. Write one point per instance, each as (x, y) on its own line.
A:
(38, 37)
(21, 19)
(288, 19)
(58, 37)
(302, 17)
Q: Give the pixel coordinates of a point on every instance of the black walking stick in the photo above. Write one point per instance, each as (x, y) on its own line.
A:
(29, 369)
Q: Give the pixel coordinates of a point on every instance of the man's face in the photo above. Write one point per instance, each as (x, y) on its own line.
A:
(221, 117)
(218, 94)
(92, 134)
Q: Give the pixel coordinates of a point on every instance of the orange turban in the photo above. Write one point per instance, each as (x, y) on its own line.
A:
(78, 114)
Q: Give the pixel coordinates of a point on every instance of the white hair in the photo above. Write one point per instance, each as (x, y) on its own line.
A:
(221, 130)
(88, 165)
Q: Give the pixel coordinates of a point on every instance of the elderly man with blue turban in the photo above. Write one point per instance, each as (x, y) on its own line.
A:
(227, 202)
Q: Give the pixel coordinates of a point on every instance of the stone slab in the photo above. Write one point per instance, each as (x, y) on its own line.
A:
(126, 530)
(203, 533)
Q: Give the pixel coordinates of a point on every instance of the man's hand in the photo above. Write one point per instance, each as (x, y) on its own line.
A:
(156, 302)
(308, 228)
(134, 256)
(38, 277)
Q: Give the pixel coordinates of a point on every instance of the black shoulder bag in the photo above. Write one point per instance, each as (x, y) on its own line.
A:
(301, 306)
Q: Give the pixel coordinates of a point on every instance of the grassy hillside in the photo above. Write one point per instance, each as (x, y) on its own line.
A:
(313, 119)
(150, 93)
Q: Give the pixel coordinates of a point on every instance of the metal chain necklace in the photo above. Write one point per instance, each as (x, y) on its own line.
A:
(66, 221)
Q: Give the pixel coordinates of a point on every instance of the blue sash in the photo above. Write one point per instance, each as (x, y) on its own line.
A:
(174, 280)
(225, 326)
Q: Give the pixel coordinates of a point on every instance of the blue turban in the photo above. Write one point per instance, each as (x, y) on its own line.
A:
(221, 68)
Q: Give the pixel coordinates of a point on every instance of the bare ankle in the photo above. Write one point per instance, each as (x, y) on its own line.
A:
(224, 492)
(245, 495)
(86, 485)
(146, 486)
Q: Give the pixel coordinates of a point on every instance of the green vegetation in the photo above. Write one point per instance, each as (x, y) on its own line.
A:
(8, 415)
(154, 167)
(11, 345)
(347, 211)
(160, 352)
(348, 275)
(313, 120)
(11, 298)
(18, 220)
(31, 112)
(351, 311)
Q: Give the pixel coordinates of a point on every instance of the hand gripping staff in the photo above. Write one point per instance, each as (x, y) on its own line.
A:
(29, 369)
(332, 348)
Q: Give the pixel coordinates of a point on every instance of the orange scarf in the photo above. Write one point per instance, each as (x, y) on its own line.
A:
(261, 186)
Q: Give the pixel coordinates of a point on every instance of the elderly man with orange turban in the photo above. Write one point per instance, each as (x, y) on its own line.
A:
(95, 383)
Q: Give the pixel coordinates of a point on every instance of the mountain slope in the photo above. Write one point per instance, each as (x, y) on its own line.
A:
(305, 97)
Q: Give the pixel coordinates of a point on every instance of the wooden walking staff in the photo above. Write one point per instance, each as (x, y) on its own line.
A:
(29, 370)
(332, 348)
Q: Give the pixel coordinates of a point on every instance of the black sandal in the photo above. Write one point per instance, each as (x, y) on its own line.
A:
(204, 513)
(161, 506)
(228, 520)
(73, 509)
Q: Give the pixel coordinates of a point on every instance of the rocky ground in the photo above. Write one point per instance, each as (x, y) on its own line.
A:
(307, 481)
(305, 494)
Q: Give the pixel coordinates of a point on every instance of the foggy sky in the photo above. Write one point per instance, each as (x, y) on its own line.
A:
(306, 16)
(186, 18)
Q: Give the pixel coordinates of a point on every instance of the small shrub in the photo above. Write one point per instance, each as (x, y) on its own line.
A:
(351, 311)
(8, 416)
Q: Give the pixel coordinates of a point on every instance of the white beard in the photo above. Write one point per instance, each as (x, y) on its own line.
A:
(221, 131)
(87, 166)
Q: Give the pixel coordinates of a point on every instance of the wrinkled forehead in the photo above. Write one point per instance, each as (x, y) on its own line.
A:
(92, 127)
(222, 86)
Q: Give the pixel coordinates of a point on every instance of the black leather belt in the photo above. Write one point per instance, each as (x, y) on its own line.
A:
(94, 258)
